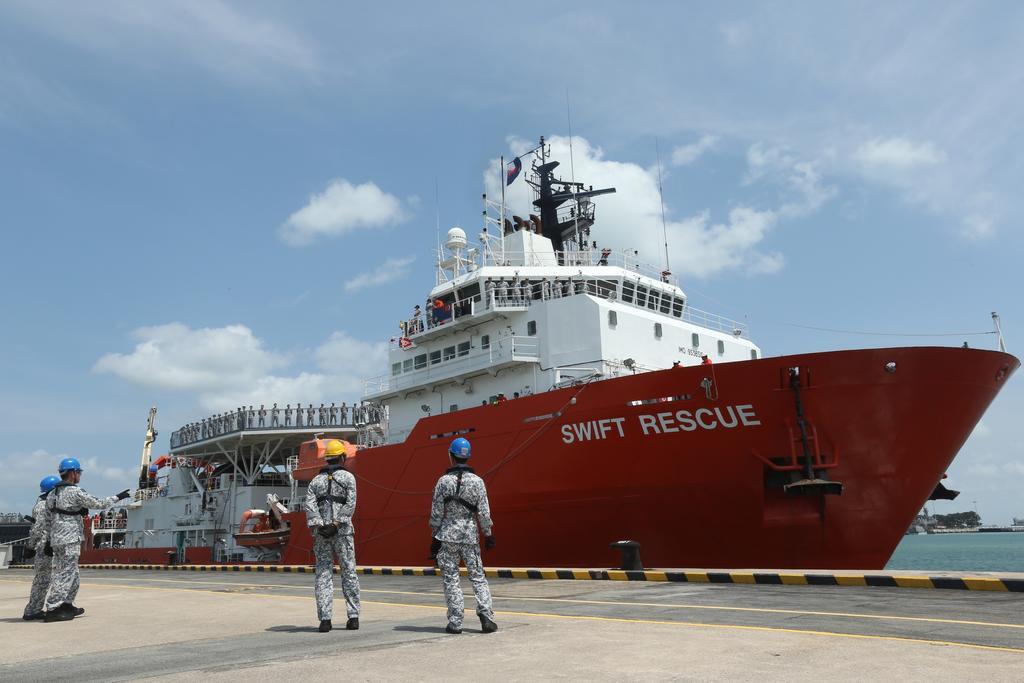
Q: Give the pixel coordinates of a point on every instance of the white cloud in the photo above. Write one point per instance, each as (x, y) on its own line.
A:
(229, 366)
(174, 356)
(341, 208)
(978, 226)
(228, 41)
(631, 218)
(389, 271)
(802, 179)
(899, 154)
(687, 154)
(713, 247)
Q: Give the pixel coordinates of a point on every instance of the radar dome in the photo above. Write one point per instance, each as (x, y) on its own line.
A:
(456, 238)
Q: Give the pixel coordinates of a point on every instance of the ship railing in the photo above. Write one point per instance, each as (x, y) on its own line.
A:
(596, 256)
(353, 416)
(147, 493)
(713, 321)
(423, 368)
(116, 523)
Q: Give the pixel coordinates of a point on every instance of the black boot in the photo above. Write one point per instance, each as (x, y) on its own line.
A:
(79, 611)
(352, 624)
(451, 629)
(325, 625)
(33, 616)
(59, 614)
(487, 625)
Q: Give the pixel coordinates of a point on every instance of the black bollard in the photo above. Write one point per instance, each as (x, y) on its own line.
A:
(630, 555)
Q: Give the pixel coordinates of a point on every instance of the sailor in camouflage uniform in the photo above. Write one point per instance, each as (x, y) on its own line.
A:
(41, 562)
(330, 504)
(66, 506)
(460, 501)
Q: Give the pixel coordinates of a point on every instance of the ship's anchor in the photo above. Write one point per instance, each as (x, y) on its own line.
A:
(811, 484)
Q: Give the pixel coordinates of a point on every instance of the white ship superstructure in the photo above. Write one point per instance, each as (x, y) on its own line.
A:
(518, 314)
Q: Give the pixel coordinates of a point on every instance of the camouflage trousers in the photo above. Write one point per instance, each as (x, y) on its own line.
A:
(42, 566)
(325, 550)
(448, 561)
(64, 581)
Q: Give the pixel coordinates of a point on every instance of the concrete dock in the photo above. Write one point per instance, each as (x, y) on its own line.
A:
(254, 626)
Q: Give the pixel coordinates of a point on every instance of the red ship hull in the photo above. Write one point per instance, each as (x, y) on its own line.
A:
(698, 488)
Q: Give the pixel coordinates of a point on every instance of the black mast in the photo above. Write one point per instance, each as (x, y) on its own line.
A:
(553, 193)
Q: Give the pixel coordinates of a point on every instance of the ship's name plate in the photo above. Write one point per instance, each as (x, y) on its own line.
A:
(726, 417)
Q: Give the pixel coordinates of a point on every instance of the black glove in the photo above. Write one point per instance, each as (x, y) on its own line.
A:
(435, 548)
(29, 553)
(327, 531)
(489, 543)
(124, 494)
(48, 550)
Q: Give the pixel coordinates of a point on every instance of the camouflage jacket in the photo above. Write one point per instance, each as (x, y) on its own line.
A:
(320, 510)
(453, 521)
(67, 529)
(37, 536)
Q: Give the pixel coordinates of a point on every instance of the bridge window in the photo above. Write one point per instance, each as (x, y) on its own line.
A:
(464, 349)
(666, 302)
(677, 308)
(407, 365)
(435, 357)
(613, 318)
(641, 296)
(627, 291)
(721, 347)
(449, 352)
(396, 369)
(485, 341)
(531, 327)
(657, 330)
(695, 339)
(421, 361)
(652, 302)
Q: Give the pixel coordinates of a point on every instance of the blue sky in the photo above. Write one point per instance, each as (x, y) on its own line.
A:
(208, 203)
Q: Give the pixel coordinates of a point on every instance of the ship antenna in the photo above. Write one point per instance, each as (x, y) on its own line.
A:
(437, 227)
(572, 173)
(999, 331)
(661, 198)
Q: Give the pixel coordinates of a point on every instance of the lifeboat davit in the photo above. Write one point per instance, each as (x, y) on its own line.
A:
(263, 529)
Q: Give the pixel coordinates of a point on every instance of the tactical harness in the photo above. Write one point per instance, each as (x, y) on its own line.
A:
(82, 512)
(329, 531)
(459, 471)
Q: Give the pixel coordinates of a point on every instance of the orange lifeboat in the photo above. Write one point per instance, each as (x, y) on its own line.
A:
(263, 529)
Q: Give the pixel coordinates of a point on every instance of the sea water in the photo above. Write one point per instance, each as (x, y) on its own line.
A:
(987, 552)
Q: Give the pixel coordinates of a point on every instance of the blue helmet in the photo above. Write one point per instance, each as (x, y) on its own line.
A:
(69, 465)
(47, 484)
(459, 449)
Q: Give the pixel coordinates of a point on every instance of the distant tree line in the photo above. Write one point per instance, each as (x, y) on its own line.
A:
(958, 520)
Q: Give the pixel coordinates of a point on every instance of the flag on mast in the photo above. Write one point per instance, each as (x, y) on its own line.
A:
(512, 171)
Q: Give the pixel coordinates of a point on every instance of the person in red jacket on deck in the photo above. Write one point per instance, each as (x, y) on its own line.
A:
(704, 360)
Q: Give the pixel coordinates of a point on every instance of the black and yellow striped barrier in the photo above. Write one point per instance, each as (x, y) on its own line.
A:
(976, 583)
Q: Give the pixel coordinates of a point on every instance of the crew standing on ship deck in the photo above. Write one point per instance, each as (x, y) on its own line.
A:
(66, 506)
(41, 562)
(330, 504)
(460, 500)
